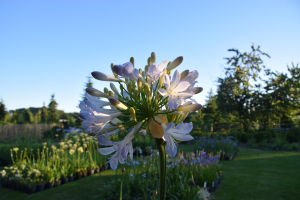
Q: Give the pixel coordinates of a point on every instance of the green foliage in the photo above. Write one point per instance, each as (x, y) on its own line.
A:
(2, 110)
(53, 115)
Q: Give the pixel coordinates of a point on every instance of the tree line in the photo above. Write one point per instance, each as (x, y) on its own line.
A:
(251, 96)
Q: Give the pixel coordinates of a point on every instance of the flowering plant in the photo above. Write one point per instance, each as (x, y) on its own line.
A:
(154, 101)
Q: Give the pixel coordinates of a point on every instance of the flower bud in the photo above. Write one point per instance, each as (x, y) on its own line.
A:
(104, 77)
(146, 69)
(121, 127)
(161, 79)
(155, 129)
(175, 63)
(105, 90)
(95, 92)
(192, 182)
(184, 116)
(132, 61)
(110, 93)
(143, 132)
(114, 89)
(152, 58)
(198, 90)
(184, 74)
(189, 108)
(111, 66)
(129, 88)
(147, 91)
(116, 103)
(148, 62)
(123, 170)
(139, 84)
(132, 113)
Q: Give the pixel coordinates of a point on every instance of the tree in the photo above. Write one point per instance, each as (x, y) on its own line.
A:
(282, 92)
(235, 92)
(53, 116)
(2, 111)
(44, 114)
(88, 84)
(27, 116)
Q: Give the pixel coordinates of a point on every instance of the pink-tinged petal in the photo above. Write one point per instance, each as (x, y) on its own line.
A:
(182, 86)
(170, 125)
(181, 137)
(163, 92)
(167, 81)
(106, 151)
(175, 80)
(183, 128)
(171, 147)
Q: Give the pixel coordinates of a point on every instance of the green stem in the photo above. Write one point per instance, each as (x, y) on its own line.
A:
(121, 186)
(161, 145)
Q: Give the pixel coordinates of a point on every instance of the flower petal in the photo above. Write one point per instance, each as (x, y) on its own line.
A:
(182, 86)
(114, 161)
(163, 92)
(181, 137)
(170, 125)
(106, 151)
(171, 147)
(167, 81)
(175, 80)
(183, 128)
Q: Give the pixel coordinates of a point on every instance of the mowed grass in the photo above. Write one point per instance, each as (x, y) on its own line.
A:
(259, 174)
(85, 188)
(253, 174)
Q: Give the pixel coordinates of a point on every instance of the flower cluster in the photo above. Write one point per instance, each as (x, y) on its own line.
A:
(153, 100)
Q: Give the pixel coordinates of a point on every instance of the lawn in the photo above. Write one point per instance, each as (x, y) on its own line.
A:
(254, 174)
(259, 174)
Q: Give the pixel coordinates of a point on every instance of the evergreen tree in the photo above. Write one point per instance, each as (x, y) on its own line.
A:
(88, 84)
(2, 111)
(44, 114)
(235, 92)
(53, 115)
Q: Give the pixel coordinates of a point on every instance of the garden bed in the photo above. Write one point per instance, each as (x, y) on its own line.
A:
(44, 186)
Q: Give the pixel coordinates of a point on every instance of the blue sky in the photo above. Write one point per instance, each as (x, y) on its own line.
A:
(52, 46)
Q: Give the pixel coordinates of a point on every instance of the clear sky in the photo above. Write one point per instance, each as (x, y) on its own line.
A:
(52, 46)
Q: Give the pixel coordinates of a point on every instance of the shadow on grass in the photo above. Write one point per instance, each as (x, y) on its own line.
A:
(85, 188)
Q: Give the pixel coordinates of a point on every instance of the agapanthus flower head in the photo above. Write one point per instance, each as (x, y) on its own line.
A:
(153, 100)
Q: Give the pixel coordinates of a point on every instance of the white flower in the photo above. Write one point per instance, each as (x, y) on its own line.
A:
(174, 90)
(95, 101)
(122, 148)
(179, 133)
(94, 119)
(155, 71)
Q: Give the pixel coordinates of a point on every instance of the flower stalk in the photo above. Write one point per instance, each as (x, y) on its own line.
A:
(161, 145)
